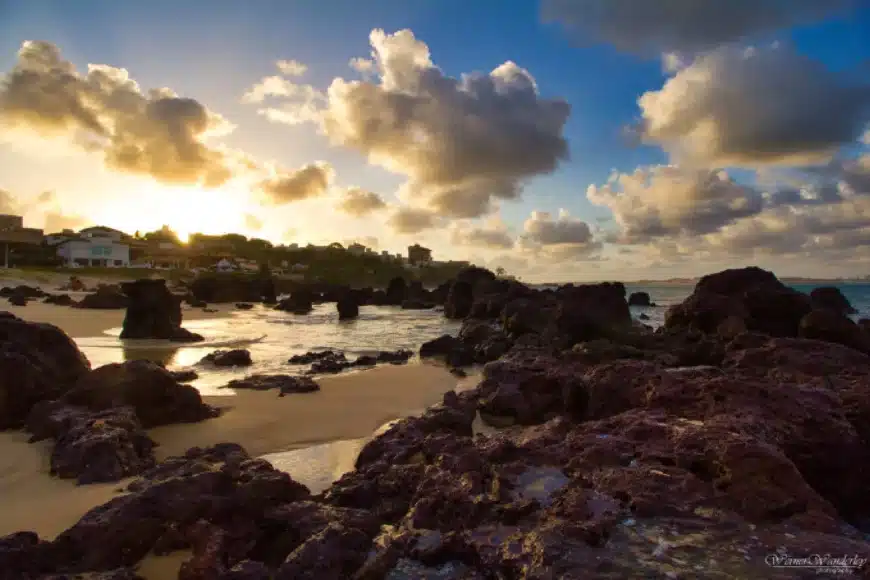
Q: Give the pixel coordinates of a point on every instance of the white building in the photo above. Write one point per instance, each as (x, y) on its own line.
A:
(97, 246)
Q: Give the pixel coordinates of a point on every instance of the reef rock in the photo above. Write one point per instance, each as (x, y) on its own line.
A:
(238, 357)
(286, 384)
(154, 312)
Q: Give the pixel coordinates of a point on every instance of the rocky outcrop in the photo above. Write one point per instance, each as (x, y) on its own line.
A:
(397, 292)
(244, 306)
(640, 299)
(38, 362)
(238, 357)
(285, 384)
(300, 301)
(332, 362)
(106, 297)
(59, 300)
(347, 306)
(151, 390)
(830, 298)
(460, 298)
(215, 288)
(154, 312)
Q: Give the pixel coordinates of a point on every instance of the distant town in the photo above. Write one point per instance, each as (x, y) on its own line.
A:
(105, 247)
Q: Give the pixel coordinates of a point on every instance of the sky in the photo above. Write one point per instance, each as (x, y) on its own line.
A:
(564, 140)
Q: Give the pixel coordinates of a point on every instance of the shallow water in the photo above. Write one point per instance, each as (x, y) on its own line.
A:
(273, 337)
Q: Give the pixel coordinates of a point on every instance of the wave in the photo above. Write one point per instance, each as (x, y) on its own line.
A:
(149, 344)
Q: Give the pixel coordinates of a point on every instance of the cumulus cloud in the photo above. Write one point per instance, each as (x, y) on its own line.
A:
(252, 222)
(359, 202)
(493, 234)
(410, 220)
(464, 143)
(559, 237)
(292, 68)
(651, 27)
(156, 132)
(312, 180)
(665, 200)
(748, 107)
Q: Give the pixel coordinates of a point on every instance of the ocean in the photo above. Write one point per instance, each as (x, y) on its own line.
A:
(273, 336)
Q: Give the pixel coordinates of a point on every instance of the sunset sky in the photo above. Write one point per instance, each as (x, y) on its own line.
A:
(560, 139)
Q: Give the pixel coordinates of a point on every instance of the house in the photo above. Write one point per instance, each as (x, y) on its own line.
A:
(58, 237)
(417, 254)
(97, 246)
(225, 265)
(357, 249)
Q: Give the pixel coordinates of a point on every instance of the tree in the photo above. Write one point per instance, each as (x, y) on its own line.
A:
(164, 234)
(500, 272)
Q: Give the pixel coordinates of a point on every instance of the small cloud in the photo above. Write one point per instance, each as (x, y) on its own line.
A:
(253, 223)
(358, 202)
(291, 68)
(407, 220)
(309, 181)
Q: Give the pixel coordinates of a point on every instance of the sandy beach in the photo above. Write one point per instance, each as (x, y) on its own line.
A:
(348, 407)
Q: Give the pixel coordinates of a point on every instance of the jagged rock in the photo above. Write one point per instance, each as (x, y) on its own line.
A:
(440, 346)
(640, 299)
(286, 384)
(154, 394)
(238, 357)
(311, 356)
(830, 297)
(154, 312)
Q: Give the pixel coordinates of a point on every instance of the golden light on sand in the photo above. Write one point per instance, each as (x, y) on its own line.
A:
(185, 209)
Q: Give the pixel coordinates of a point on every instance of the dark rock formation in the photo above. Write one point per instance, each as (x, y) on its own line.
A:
(154, 312)
(397, 292)
(831, 326)
(184, 375)
(106, 297)
(640, 299)
(37, 362)
(238, 357)
(59, 300)
(26, 292)
(830, 297)
(311, 356)
(347, 306)
(301, 301)
(215, 288)
(459, 300)
(286, 384)
(440, 346)
(417, 305)
(18, 300)
(244, 306)
(270, 295)
(148, 388)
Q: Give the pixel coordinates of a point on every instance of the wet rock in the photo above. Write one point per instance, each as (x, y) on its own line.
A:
(347, 306)
(18, 300)
(238, 357)
(269, 292)
(312, 356)
(831, 298)
(285, 384)
(154, 312)
(334, 363)
(334, 553)
(640, 299)
(218, 288)
(441, 346)
(26, 292)
(244, 306)
(397, 292)
(185, 375)
(831, 326)
(301, 301)
(38, 362)
(400, 356)
(148, 388)
(108, 297)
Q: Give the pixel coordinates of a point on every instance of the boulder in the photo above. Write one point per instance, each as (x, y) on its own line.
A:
(154, 312)
(301, 301)
(38, 362)
(441, 346)
(285, 384)
(639, 299)
(270, 295)
(238, 357)
(831, 298)
(347, 306)
(590, 311)
(106, 297)
(18, 300)
(59, 300)
(397, 292)
(832, 326)
(156, 397)
(312, 356)
(184, 375)
(459, 300)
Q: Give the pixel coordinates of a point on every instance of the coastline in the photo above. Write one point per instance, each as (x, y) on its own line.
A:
(350, 406)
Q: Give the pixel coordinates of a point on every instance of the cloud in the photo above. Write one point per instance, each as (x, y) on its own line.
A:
(370, 242)
(156, 133)
(667, 200)
(292, 68)
(271, 86)
(559, 238)
(408, 220)
(463, 143)
(748, 107)
(651, 27)
(8, 202)
(358, 202)
(56, 221)
(253, 223)
(46, 197)
(306, 182)
(493, 235)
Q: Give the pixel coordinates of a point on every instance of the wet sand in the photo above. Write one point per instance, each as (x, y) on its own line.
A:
(82, 323)
(348, 407)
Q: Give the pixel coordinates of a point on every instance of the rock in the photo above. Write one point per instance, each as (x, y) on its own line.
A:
(244, 306)
(154, 312)
(333, 553)
(26, 292)
(335, 362)
(301, 301)
(217, 288)
(59, 300)
(831, 326)
(753, 295)
(459, 300)
(238, 357)
(643, 316)
(270, 295)
(18, 300)
(347, 306)
(74, 285)
(311, 356)
(441, 346)
(589, 312)
(394, 357)
(831, 298)
(194, 303)
(102, 447)
(107, 297)
(417, 305)
(286, 384)
(639, 299)
(397, 292)
(38, 362)
(145, 386)
(185, 375)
